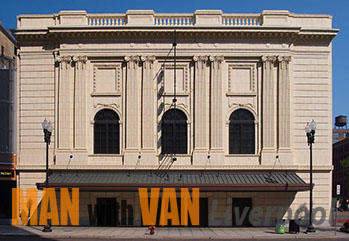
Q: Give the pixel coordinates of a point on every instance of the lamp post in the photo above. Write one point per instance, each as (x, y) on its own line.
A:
(47, 128)
(310, 131)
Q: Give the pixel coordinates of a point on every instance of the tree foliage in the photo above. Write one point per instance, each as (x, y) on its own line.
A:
(345, 162)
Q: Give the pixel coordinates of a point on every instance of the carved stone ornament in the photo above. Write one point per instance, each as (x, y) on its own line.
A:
(182, 105)
(268, 61)
(132, 61)
(82, 59)
(201, 61)
(106, 105)
(148, 61)
(58, 59)
(74, 59)
(271, 59)
(216, 58)
(134, 58)
(66, 58)
(249, 105)
(284, 61)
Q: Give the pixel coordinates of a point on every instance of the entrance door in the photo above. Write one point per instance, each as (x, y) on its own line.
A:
(6, 201)
(106, 211)
(241, 211)
(203, 212)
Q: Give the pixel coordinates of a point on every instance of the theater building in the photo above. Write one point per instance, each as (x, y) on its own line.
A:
(223, 110)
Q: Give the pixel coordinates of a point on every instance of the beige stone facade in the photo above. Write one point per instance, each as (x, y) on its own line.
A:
(277, 65)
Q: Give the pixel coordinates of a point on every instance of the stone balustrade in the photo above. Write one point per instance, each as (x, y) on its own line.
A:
(106, 20)
(268, 18)
(174, 20)
(242, 20)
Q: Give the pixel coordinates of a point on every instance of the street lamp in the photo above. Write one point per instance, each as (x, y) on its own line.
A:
(310, 131)
(47, 128)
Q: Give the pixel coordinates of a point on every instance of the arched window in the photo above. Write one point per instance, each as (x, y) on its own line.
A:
(106, 132)
(241, 132)
(174, 132)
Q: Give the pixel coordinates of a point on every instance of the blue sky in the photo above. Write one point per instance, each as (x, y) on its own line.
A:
(337, 8)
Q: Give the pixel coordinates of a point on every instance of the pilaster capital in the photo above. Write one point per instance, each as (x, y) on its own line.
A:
(148, 61)
(132, 61)
(82, 58)
(200, 60)
(133, 58)
(269, 61)
(218, 59)
(74, 59)
(80, 61)
(58, 59)
(148, 58)
(284, 58)
(66, 59)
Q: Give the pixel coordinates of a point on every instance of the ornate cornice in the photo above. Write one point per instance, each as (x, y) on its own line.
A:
(252, 34)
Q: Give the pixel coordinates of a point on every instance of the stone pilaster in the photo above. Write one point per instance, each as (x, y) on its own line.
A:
(65, 103)
(284, 103)
(148, 106)
(216, 114)
(80, 122)
(201, 104)
(133, 104)
(269, 104)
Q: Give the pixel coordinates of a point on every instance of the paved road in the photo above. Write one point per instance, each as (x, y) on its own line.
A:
(34, 238)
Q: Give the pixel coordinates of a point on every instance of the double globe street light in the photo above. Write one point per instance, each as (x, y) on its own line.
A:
(310, 132)
(47, 128)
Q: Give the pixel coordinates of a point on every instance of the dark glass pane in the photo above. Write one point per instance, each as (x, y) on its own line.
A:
(106, 115)
(174, 132)
(106, 132)
(241, 133)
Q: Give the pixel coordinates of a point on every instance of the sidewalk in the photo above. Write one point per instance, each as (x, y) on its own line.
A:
(165, 233)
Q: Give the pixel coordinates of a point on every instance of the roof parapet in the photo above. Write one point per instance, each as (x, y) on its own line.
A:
(200, 18)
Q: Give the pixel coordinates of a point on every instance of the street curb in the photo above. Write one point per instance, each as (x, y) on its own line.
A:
(278, 237)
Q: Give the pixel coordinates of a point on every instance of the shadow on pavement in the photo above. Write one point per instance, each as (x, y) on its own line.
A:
(9, 233)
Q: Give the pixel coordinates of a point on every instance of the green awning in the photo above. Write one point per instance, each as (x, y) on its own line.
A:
(205, 180)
